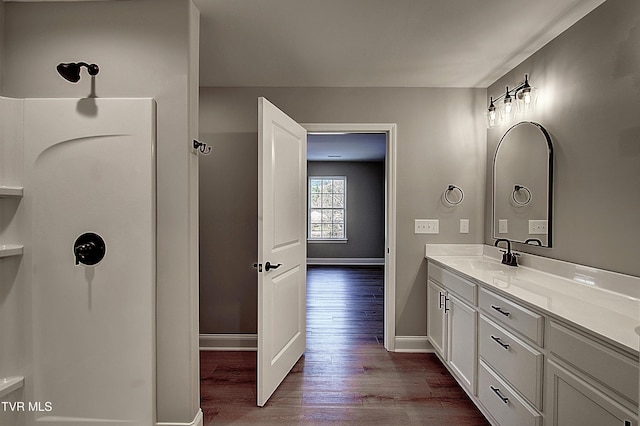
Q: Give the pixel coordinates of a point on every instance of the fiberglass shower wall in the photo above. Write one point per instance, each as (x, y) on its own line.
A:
(89, 167)
(13, 295)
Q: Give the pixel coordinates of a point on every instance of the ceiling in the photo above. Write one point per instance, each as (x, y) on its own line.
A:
(346, 147)
(374, 43)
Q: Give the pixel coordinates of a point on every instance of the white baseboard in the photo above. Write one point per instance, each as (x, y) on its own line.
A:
(418, 344)
(249, 342)
(228, 342)
(347, 261)
(197, 421)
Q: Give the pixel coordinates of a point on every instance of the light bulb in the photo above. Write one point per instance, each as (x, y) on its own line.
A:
(508, 108)
(508, 105)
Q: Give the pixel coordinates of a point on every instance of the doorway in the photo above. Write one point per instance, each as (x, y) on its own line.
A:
(389, 130)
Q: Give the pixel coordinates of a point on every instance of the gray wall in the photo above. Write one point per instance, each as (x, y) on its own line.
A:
(441, 140)
(1, 48)
(589, 101)
(365, 209)
(145, 48)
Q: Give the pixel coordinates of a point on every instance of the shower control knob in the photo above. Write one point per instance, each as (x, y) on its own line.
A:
(89, 249)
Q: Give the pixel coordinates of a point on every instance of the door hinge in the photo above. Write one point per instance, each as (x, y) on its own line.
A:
(258, 266)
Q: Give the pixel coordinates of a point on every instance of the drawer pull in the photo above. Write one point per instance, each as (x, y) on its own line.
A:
(500, 342)
(446, 308)
(497, 392)
(440, 304)
(499, 309)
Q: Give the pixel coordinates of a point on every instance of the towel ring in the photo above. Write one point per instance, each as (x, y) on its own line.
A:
(518, 189)
(447, 193)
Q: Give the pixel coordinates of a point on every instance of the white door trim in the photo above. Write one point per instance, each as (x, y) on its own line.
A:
(390, 216)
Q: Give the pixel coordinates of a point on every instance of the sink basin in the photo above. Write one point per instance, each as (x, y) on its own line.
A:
(485, 265)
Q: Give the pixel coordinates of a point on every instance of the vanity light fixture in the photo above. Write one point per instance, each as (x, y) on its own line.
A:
(521, 99)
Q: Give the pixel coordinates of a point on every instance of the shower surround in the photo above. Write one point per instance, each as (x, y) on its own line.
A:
(84, 340)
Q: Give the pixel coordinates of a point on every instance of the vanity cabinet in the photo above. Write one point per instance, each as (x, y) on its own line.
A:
(452, 323)
(588, 383)
(524, 364)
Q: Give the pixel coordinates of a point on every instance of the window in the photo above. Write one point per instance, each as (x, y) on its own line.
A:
(327, 208)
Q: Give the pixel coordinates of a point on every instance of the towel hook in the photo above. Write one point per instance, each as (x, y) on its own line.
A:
(202, 147)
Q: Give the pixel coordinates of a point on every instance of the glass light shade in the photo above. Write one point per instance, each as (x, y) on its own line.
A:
(492, 115)
(508, 107)
(527, 98)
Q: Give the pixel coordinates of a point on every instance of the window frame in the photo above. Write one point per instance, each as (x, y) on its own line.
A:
(343, 239)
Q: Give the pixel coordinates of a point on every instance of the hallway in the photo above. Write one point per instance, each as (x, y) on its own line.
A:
(345, 376)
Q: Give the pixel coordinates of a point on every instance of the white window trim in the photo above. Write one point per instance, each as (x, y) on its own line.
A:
(326, 240)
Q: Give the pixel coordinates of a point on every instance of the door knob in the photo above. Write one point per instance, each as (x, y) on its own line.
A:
(268, 266)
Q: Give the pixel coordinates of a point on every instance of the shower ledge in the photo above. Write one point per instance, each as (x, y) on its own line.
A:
(11, 191)
(7, 250)
(10, 384)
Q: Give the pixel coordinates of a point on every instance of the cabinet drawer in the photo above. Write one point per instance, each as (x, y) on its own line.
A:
(520, 319)
(516, 361)
(501, 401)
(452, 282)
(611, 368)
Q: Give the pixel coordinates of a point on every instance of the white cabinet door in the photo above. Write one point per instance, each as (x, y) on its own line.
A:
(436, 296)
(575, 402)
(462, 322)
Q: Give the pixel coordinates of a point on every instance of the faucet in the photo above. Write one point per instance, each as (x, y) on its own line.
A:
(508, 257)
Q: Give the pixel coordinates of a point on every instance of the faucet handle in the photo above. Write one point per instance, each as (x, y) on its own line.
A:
(512, 259)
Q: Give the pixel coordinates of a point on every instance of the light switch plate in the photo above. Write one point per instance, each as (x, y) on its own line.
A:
(427, 226)
(502, 226)
(538, 227)
(464, 226)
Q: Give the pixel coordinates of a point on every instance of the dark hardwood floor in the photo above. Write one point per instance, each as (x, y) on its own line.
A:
(345, 376)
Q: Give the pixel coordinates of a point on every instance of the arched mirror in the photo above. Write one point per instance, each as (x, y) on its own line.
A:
(522, 195)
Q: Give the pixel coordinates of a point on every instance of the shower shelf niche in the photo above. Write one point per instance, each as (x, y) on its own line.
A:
(10, 384)
(10, 192)
(7, 250)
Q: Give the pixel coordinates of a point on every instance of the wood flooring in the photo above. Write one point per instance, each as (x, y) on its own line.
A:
(345, 377)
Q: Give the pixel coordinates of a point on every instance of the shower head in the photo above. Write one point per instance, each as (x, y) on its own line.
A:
(71, 71)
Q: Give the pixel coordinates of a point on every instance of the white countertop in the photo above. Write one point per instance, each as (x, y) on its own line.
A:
(576, 298)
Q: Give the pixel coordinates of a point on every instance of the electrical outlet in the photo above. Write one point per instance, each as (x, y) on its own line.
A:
(502, 226)
(464, 226)
(427, 226)
(538, 227)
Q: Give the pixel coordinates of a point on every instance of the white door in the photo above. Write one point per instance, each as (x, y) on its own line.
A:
(282, 246)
